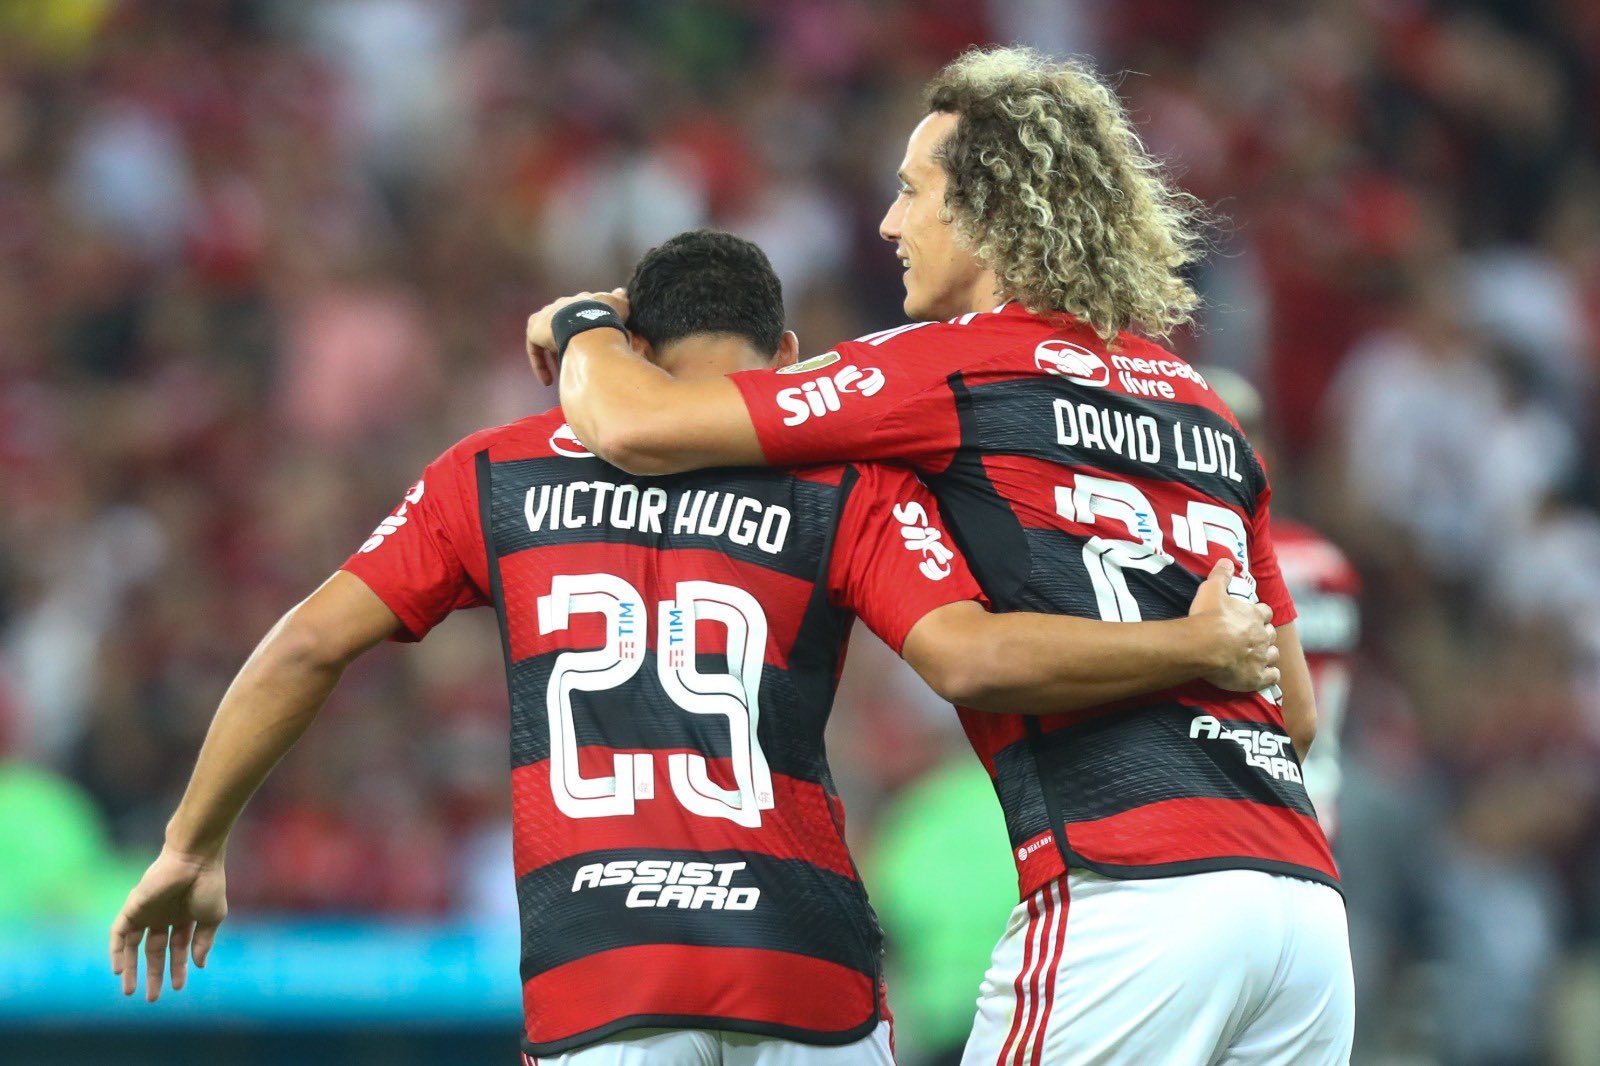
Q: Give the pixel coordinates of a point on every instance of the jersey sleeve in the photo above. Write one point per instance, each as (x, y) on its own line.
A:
(418, 560)
(875, 398)
(1271, 589)
(893, 561)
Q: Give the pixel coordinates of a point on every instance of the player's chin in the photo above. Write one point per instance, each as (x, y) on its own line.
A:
(917, 308)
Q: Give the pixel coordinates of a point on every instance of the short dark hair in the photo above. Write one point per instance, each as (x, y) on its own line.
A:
(705, 281)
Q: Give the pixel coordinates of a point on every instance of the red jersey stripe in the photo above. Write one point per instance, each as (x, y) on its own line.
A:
(1189, 829)
(768, 988)
(808, 829)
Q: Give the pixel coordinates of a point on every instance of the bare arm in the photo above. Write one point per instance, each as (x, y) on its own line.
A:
(1299, 700)
(275, 696)
(1041, 664)
(635, 415)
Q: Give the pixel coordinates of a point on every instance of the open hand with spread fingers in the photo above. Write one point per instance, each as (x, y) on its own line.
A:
(174, 910)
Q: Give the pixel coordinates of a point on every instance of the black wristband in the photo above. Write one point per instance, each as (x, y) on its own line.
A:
(579, 316)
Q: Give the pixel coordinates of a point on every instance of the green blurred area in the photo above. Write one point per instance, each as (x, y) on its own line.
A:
(56, 856)
(943, 883)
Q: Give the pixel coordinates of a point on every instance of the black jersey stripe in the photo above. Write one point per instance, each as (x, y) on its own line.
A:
(1125, 760)
(734, 513)
(1060, 583)
(1057, 421)
(798, 910)
(640, 716)
(817, 657)
(980, 520)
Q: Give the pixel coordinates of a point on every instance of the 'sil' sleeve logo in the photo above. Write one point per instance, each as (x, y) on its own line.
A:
(823, 395)
(394, 521)
(921, 537)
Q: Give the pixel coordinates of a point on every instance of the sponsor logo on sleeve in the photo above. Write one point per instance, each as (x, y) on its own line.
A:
(824, 395)
(1073, 362)
(394, 521)
(565, 442)
(806, 366)
(921, 537)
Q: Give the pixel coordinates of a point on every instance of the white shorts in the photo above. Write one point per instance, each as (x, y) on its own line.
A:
(1234, 967)
(717, 1047)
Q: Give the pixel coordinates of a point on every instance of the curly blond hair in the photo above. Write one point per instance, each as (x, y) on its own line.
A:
(1051, 188)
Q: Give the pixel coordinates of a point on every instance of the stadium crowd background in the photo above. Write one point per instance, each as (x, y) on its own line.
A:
(260, 262)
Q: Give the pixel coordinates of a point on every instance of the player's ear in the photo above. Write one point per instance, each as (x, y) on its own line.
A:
(788, 350)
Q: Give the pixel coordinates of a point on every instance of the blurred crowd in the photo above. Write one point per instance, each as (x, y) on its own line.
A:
(260, 261)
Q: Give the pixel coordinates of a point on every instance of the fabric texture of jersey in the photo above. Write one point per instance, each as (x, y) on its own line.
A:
(1094, 480)
(673, 645)
(1326, 590)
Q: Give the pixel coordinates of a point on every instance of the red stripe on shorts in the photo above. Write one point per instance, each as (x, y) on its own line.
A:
(1035, 984)
(1059, 889)
(1041, 964)
(1022, 976)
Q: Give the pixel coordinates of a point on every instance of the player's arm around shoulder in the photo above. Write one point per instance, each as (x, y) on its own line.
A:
(640, 419)
(627, 410)
(1023, 663)
(833, 407)
(897, 568)
(182, 898)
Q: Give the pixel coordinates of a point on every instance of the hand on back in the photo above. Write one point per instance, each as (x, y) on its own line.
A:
(1246, 640)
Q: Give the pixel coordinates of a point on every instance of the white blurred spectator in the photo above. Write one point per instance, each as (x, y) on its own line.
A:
(612, 209)
(1438, 444)
(1528, 301)
(55, 644)
(804, 229)
(487, 892)
(1055, 27)
(1552, 570)
(397, 57)
(128, 172)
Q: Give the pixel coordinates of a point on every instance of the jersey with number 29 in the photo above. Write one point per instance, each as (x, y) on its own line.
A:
(673, 646)
(1093, 480)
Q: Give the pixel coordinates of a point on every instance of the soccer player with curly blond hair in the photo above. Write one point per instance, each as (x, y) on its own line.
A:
(1179, 903)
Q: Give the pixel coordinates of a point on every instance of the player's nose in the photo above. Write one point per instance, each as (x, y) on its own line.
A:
(889, 228)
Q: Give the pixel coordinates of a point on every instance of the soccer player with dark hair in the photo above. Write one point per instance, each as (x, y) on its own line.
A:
(672, 649)
(1179, 900)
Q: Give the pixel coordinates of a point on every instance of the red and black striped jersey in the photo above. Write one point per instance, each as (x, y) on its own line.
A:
(1326, 589)
(673, 647)
(1094, 480)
